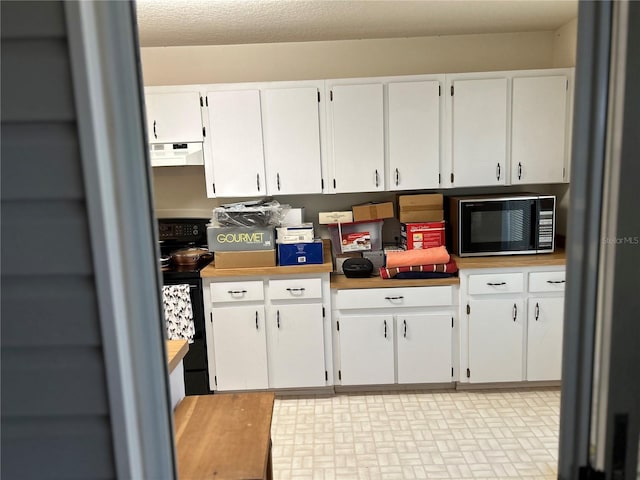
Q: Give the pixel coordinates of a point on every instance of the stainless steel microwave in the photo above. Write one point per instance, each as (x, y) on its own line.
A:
(502, 224)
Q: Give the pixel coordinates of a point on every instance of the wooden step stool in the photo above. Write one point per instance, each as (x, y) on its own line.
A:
(224, 436)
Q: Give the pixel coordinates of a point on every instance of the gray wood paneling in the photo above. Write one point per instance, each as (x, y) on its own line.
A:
(41, 160)
(45, 238)
(57, 380)
(56, 307)
(36, 81)
(22, 19)
(73, 447)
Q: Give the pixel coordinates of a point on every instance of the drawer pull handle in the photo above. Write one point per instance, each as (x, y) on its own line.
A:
(498, 172)
(537, 311)
(394, 298)
(405, 328)
(256, 320)
(155, 134)
(296, 291)
(397, 177)
(234, 293)
(377, 182)
(385, 329)
(515, 312)
(278, 318)
(556, 281)
(496, 284)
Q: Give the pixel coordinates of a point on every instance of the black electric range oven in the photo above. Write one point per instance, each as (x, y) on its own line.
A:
(174, 234)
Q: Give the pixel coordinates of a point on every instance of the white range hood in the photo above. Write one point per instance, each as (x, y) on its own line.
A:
(176, 154)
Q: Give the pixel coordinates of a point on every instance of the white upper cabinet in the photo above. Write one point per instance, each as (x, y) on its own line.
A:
(173, 117)
(356, 125)
(291, 128)
(413, 135)
(237, 157)
(478, 143)
(539, 133)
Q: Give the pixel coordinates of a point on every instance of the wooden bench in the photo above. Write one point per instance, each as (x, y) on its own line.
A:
(224, 436)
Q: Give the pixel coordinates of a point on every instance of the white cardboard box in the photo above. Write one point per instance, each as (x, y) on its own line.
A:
(325, 218)
(295, 234)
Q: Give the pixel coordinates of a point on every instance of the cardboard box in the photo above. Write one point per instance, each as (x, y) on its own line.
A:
(245, 259)
(418, 236)
(356, 236)
(372, 211)
(341, 257)
(325, 218)
(420, 208)
(300, 253)
(296, 234)
(232, 239)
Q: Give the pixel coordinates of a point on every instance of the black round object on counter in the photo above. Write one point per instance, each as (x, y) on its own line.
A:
(357, 268)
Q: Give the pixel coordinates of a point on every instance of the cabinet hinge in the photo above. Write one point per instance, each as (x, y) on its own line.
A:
(204, 131)
(323, 314)
(468, 309)
(322, 183)
(468, 373)
(326, 376)
(339, 375)
(338, 325)
(334, 183)
(452, 178)
(215, 380)
(201, 102)
(331, 95)
(452, 90)
(214, 187)
(451, 322)
(318, 96)
(439, 90)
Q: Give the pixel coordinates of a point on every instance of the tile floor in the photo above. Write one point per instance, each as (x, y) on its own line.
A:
(404, 435)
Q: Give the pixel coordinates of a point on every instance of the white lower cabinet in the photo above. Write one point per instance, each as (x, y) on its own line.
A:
(496, 328)
(511, 324)
(296, 347)
(394, 335)
(239, 348)
(366, 350)
(268, 332)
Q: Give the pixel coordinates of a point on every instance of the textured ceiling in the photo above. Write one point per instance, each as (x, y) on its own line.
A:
(228, 22)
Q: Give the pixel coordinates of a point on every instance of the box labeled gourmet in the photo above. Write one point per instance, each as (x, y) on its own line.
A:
(372, 211)
(245, 259)
(232, 239)
(300, 253)
(420, 208)
(418, 236)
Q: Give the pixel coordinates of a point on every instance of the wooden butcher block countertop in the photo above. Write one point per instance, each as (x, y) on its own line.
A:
(176, 350)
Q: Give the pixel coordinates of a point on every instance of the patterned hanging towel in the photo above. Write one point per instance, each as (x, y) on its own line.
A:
(178, 313)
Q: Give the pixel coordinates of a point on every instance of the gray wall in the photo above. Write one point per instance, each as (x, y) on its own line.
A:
(55, 410)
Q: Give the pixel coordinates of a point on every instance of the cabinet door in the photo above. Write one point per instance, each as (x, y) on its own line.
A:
(496, 329)
(174, 117)
(424, 348)
(366, 350)
(236, 143)
(358, 138)
(291, 125)
(544, 341)
(414, 135)
(479, 131)
(538, 131)
(295, 346)
(240, 348)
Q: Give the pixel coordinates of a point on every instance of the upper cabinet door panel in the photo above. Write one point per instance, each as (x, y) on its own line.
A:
(236, 143)
(479, 130)
(538, 129)
(174, 117)
(291, 125)
(414, 135)
(358, 137)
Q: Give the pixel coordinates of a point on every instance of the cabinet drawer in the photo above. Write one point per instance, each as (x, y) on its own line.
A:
(236, 292)
(547, 281)
(295, 289)
(394, 297)
(492, 283)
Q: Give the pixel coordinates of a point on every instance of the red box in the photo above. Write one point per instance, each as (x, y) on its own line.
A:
(418, 236)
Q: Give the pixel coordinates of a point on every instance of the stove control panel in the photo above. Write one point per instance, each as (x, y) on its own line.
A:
(183, 230)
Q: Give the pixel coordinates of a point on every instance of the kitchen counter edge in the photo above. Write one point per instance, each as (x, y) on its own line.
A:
(176, 351)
